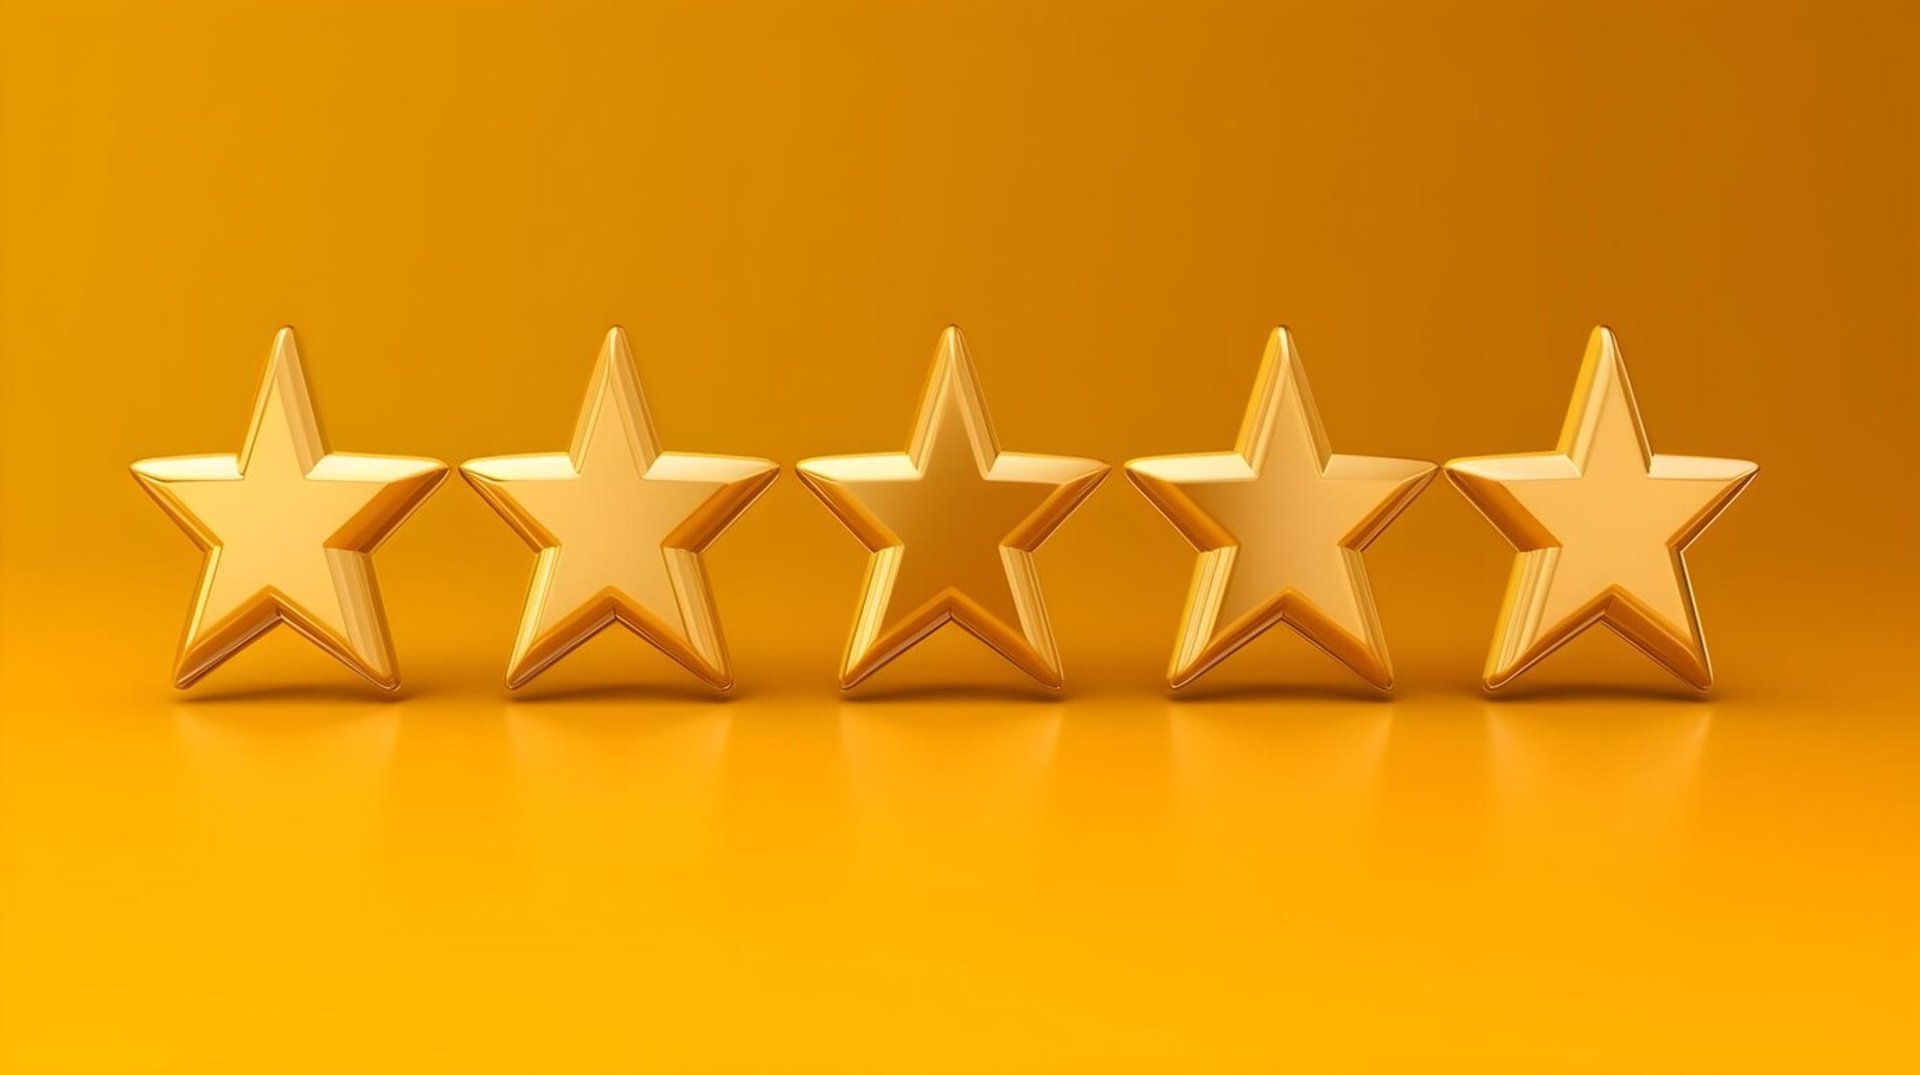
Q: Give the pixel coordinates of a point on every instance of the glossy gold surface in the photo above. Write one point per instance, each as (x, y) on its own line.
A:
(619, 525)
(1280, 523)
(952, 523)
(1601, 524)
(950, 870)
(289, 527)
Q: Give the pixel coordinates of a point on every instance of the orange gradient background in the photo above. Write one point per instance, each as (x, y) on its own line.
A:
(947, 870)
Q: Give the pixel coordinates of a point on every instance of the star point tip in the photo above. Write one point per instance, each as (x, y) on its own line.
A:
(286, 349)
(482, 472)
(616, 355)
(1604, 339)
(1282, 343)
(952, 347)
(1497, 676)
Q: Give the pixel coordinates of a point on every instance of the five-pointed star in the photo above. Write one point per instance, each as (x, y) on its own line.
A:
(952, 522)
(619, 525)
(289, 528)
(1601, 523)
(1280, 523)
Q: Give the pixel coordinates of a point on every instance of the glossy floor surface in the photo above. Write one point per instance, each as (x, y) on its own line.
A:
(1574, 879)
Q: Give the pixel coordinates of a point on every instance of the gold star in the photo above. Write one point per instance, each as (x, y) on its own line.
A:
(1280, 523)
(952, 522)
(1601, 523)
(289, 528)
(619, 525)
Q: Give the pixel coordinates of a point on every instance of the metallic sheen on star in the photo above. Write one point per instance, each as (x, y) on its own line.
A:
(289, 527)
(952, 523)
(619, 525)
(1601, 524)
(1280, 523)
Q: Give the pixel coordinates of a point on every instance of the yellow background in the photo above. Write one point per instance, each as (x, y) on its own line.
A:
(784, 203)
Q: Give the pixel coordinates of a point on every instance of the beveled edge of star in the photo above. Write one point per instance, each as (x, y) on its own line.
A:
(1481, 480)
(1157, 478)
(1074, 479)
(615, 382)
(286, 371)
(953, 365)
(421, 476)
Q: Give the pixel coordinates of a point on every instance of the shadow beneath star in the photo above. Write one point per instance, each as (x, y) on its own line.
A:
(626, 692)
(1591, 692)
(1281, 692)
(310, 693)
(952, 692)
